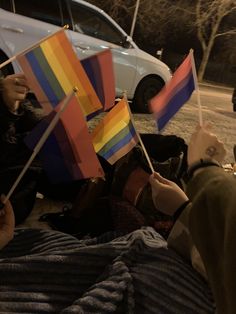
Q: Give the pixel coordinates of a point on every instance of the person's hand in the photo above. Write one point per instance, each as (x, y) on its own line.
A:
(14, 90)
(167, 196)
(205, 145)
(7, 224)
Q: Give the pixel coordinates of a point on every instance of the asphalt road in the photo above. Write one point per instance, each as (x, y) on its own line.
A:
(216, 108)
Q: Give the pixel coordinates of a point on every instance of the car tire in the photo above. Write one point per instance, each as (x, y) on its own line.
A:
(7, 69)
(146, 89)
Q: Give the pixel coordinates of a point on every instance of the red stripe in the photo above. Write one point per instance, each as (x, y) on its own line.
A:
(80, 140)
(161, 99)
(107, 71)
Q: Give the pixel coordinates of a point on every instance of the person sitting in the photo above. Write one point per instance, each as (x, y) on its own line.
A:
(17, 117)
(206, 217)
(19, 114)
(136, 272)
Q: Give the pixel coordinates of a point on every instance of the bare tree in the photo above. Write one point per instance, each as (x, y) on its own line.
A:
(157, 18)
(152, 19)
(209, 18)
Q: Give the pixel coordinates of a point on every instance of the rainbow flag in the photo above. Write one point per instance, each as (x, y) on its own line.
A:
(174, 94)
(53, 69)
(99, 69)
(115, 135)
(68, 153)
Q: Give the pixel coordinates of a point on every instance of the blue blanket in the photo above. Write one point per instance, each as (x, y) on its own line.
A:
(45, 271)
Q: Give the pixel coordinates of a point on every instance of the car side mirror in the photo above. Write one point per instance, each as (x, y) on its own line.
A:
(126, 42)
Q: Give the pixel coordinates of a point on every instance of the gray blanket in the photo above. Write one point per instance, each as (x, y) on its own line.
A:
(50, 272)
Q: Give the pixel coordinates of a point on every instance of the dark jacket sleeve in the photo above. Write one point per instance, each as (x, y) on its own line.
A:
(13, 129)
(212, 224)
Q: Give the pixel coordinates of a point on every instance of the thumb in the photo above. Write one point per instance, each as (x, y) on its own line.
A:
(161, 179)
(157, 182)
(7, 209)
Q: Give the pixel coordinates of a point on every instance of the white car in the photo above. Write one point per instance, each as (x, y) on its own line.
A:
(24, 22)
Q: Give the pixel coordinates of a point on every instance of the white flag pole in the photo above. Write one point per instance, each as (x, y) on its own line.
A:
(138, 135)
(134, 18)
(32, 47)
(41, 142)
(196, 87)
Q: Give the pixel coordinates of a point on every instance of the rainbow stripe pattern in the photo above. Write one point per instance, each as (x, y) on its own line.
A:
(174, 94)
(53, 69)
(99, 69)
(115, 135)
(68, 153)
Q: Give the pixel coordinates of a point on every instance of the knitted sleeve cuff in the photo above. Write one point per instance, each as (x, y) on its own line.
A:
(202, 163)
(180, 210)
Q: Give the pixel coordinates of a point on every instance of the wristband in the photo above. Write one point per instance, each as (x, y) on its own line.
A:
(202, 163)
(180, 210)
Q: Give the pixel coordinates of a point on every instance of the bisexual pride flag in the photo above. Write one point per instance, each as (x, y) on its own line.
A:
(99, 69)
(52, 69)
(174, 94)
(115, 135)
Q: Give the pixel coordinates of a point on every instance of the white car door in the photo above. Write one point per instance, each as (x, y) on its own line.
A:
(25, 27)
(95, 31)
(91, 30)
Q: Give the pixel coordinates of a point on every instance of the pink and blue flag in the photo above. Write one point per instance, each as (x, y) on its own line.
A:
(99, 69)
(174, 94)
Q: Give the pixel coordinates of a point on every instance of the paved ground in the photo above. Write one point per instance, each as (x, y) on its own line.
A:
(216, 108)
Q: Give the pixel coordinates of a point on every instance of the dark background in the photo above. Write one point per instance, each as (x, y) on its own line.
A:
(221, 68)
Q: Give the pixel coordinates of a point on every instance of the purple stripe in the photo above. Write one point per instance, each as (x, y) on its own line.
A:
(180, 95)
(93, 70)
(174, 90)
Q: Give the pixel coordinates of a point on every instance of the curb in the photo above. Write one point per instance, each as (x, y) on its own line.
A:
(215, 86)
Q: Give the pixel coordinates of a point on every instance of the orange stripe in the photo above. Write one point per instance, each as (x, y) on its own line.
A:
(63, 59)
(112, 118)
(123, 151)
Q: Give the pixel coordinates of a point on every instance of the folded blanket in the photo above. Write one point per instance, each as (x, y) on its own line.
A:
(43, 271)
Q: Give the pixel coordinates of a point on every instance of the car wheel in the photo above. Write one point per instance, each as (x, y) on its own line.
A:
(7, 69)
(146, 89)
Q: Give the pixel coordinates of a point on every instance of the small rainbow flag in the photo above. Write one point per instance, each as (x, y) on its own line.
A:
(68, 153)
(53, 69)
(174, 94)
(99, 69)
(115, 135)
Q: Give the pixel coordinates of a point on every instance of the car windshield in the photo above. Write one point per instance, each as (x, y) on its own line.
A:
(92, 23)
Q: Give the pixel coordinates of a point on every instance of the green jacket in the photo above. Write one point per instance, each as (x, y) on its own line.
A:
(209, 223)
